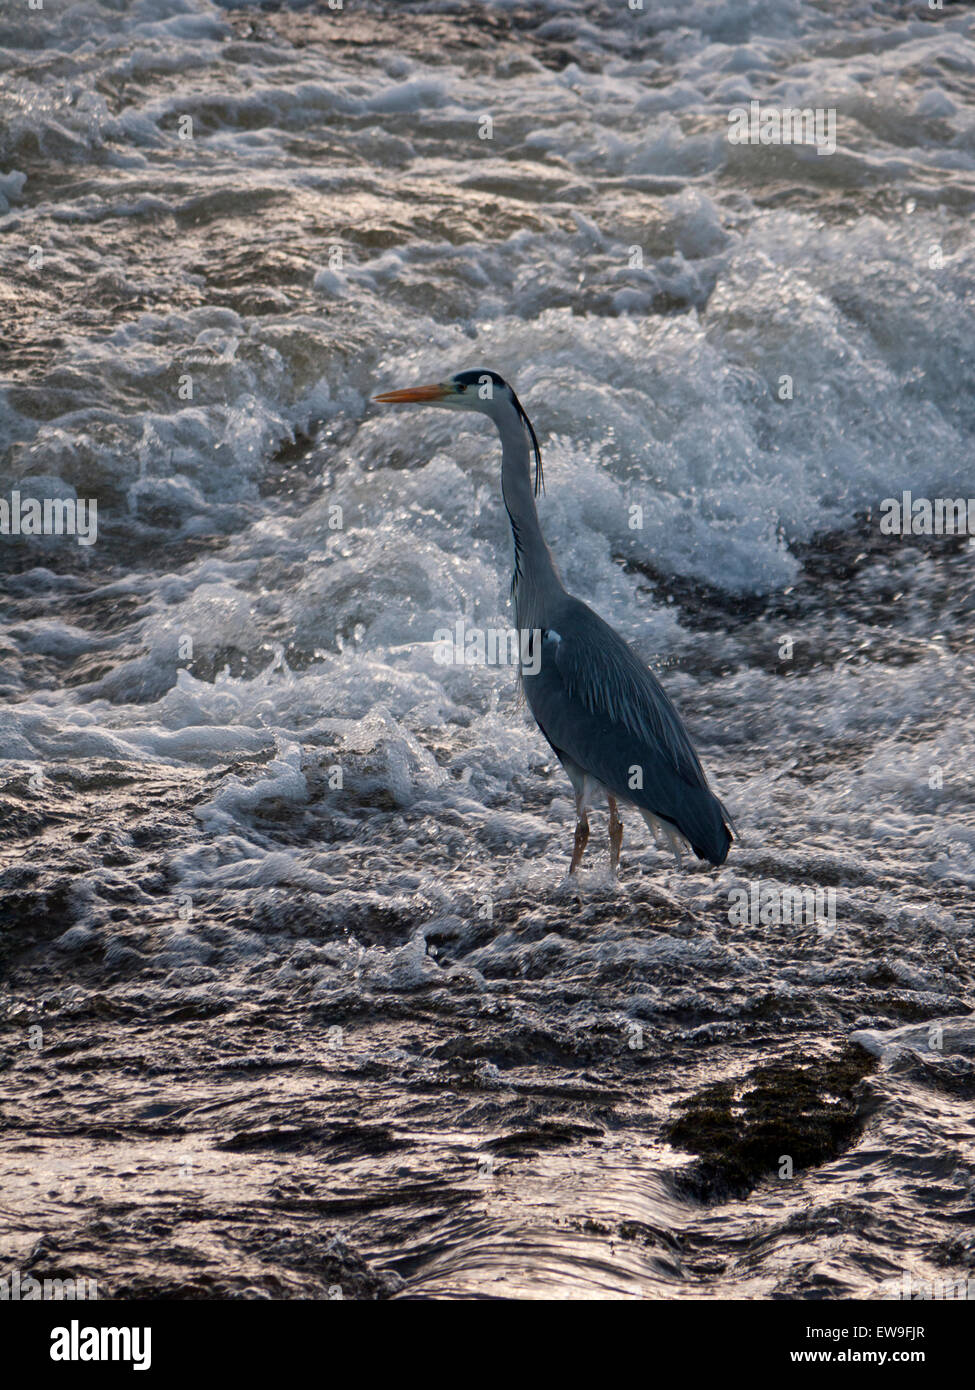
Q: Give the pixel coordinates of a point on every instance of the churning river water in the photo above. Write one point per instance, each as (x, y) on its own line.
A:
(298, 1000)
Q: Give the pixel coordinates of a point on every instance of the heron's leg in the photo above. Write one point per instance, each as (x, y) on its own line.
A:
(615, 834)
(582, 835)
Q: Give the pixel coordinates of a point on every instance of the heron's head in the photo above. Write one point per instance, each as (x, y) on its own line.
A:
(477, 390)
(480, 390)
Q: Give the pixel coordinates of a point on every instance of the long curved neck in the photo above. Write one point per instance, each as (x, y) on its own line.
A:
(535, 575)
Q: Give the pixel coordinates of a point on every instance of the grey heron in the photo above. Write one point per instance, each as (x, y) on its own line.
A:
(605, 714)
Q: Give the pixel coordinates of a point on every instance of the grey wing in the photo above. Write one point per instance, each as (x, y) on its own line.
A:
(597, 703)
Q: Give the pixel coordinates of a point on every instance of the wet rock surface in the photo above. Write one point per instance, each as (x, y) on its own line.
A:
(789, 1114)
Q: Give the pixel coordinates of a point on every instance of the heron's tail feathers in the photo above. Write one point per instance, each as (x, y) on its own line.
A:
(715, 851)
(701, 823)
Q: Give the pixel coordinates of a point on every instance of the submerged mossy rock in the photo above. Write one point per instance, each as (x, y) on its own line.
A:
(804, 1109)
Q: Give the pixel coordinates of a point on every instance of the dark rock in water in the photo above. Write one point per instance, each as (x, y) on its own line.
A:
(796, 1108)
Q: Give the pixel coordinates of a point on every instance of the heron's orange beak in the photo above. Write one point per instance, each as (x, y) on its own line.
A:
(437, 392)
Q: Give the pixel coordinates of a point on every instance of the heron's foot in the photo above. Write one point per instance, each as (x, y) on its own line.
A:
(615, 836)
(582, 839)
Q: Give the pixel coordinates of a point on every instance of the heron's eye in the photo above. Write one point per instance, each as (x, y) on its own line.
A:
(461, 387)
